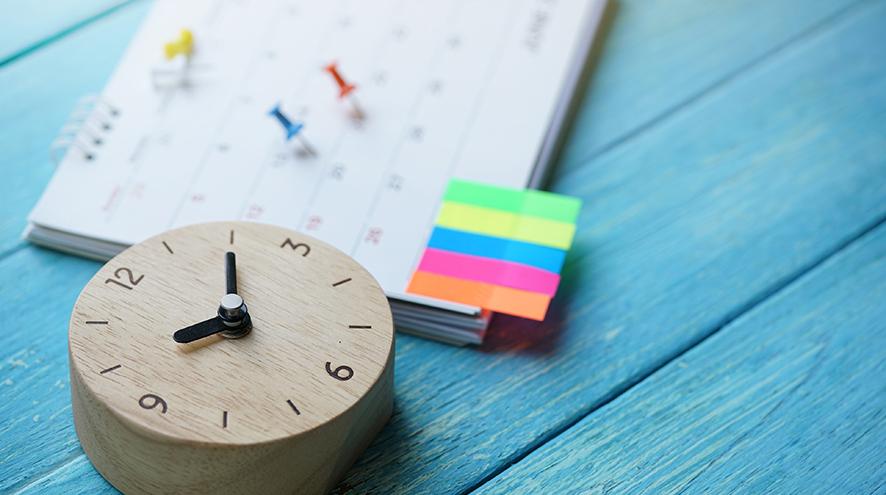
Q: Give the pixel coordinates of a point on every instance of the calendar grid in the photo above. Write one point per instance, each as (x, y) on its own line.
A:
(449, 90)
(222, 123)
(397, 147)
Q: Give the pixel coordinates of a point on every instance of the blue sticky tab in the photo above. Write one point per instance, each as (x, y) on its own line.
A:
(546, 258)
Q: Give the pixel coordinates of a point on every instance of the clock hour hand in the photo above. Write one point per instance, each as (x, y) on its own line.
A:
(200, 330)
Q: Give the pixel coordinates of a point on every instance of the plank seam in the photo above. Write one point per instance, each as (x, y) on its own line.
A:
(43, 43)
(785, 283)
(734, 444)
(678, 107)
(63, 33)
(13, 250)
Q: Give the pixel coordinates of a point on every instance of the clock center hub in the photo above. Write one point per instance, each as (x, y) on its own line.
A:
(232, 308)
(234, 314)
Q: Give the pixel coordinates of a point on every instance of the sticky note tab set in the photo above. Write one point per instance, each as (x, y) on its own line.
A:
(498, 248)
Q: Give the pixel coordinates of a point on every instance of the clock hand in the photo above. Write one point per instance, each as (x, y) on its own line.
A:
(230, 273)
(232, 309)
(231, 328)
(233, 319)
(200, 330)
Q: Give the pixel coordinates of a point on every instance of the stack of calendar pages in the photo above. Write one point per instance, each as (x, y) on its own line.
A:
(478, 91)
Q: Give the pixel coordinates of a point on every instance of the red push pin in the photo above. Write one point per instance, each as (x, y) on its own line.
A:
(345, 89)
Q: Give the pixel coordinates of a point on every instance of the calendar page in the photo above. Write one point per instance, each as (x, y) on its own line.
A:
(466, 89)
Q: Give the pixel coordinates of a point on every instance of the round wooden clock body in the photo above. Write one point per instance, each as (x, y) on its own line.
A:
(286, 408)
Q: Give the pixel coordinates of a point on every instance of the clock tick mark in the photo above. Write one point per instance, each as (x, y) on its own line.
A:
(360, 326)
(224, 419)
(232, 237)
(168, 248)
(96, 322)
(341, 282)
(293, 407)
(112, 368)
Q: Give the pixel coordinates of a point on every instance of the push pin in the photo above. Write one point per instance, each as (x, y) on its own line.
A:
(173, 76)
(183, 46)
(345, 89)
(293, 129)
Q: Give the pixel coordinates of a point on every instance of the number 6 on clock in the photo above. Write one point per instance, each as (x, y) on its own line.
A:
(342, 373)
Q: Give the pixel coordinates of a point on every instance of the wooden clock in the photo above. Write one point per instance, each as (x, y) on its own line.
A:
(230, 357)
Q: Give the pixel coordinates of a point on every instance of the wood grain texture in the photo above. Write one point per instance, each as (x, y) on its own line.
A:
(27, 25)
(790, 398)
(689, 222)
(35, 414)
(217, 415)
(660, 55)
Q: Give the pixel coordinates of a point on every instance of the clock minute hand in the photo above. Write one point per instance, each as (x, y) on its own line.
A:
(232, 309)
(230, 273)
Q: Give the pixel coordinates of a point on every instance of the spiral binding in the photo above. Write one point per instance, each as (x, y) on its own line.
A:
(86, 128)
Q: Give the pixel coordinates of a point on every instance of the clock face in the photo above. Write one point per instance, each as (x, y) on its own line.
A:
(321, 334)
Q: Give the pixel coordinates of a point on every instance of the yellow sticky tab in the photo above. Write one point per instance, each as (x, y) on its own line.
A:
(184, 45)
(497, 223)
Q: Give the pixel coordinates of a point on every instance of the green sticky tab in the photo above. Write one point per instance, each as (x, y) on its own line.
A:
(551, 206)
(529, 202)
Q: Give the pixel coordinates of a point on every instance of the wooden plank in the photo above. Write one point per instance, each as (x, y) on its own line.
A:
(659, 55)
(39, 93)
(35, 414)
(788, 399)
(29, 25)
(683, 230)
(656, 56)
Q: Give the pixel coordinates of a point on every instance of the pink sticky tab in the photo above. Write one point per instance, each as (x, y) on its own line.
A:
(491, 271)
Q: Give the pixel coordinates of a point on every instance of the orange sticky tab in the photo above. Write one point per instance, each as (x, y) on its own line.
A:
(500, 299)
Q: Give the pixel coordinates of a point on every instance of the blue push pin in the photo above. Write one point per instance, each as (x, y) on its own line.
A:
(293, 129)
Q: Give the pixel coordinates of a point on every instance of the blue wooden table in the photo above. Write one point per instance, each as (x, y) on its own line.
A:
(722, 321)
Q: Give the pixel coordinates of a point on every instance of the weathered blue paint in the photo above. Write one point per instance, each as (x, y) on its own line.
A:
(723, 151)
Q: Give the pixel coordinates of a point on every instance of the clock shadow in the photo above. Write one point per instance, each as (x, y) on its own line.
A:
(199, 345)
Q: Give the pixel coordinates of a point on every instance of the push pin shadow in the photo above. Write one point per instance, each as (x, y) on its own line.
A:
(345, 90)
(293, 129)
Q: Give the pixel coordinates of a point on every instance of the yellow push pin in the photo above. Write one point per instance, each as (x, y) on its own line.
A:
(184, 45)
